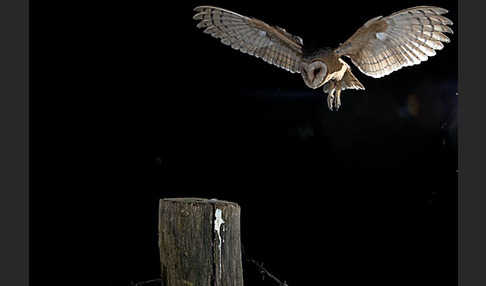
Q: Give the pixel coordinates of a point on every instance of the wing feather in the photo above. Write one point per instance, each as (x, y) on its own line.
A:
(407, 37)
(252, 36)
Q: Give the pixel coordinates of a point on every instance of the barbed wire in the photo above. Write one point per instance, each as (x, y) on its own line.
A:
(145, 283)
(261, 269)
(264, 272)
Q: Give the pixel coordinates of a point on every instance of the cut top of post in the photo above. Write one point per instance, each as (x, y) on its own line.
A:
(200, 201)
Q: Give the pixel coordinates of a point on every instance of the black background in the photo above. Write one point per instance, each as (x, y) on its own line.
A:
(131, 103)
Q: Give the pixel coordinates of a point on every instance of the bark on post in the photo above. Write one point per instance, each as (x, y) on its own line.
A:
(199, 242)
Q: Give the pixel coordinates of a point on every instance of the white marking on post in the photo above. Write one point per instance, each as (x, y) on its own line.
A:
(218, 221)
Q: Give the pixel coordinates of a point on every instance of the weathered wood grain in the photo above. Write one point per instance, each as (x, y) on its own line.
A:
(199, 242)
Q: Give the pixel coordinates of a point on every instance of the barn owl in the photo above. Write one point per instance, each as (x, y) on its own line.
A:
(381, 46)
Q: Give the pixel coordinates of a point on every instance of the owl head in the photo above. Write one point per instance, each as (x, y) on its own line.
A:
(314, 73)
(314, 68)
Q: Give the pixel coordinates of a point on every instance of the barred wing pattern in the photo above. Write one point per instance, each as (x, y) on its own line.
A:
(407, 37)
(252, 36)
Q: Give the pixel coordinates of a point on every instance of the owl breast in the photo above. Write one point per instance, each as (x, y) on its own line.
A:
(338, 74)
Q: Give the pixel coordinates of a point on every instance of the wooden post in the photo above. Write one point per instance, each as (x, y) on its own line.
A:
(199, 242)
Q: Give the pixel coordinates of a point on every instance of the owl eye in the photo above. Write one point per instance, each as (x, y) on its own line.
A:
(317, 71)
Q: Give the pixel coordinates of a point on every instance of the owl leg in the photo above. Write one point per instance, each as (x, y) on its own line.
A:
(337, 101)
(330, 99)
(329, 88)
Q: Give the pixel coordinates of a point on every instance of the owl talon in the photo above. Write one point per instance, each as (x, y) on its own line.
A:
(337, 102)
(330, 101)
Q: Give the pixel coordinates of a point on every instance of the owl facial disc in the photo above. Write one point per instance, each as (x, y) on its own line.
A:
(314, 74)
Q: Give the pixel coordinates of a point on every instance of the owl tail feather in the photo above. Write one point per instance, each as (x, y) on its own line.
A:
(349, 81)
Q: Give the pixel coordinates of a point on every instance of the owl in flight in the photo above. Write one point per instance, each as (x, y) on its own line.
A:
(381, 46)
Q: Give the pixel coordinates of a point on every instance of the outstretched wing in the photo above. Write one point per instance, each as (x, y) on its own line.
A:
(407, 37)
(252, 36)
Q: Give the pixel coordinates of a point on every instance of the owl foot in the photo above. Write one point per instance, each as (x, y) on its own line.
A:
(337, 101)
(330, 101)
(334, 101)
